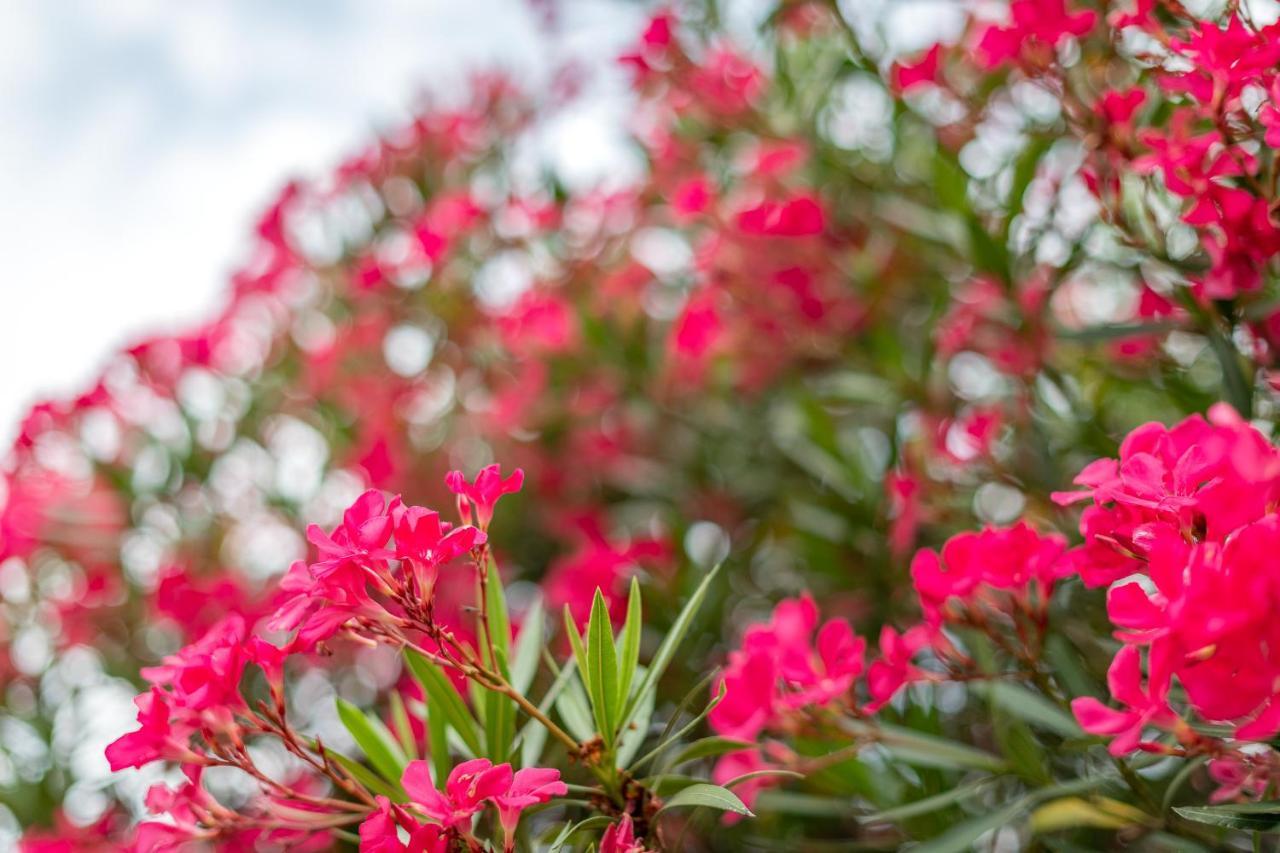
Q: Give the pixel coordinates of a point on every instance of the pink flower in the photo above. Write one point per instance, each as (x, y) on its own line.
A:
(380, 832)
(924, 70)
(620, 837)
(470, 785)
(529, 786)
(481, 495)
(799, 216)
(1015, 560)
(156, 740)
(205, 675)
(1143, 706)
(691, 198)
(1035, 28)
(894, 668)
(365, 529)
(423, 543)
(780, 669)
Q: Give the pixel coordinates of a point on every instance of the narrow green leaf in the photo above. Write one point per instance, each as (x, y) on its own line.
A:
(709, 747)
(632, 736)
(442, 698)
(403, 728)
(499, 623)
(602, 661)
(706, 795)
(368, 778)
(438, 740)
(533, 735)
(961, 837)
(575, 710)
(932, 751)
(1258, 817)
(771, 773)
(375, 740)
(579, 649)
(629, 644)
(1032, 708)
(572, 829)
(524, 664)
(499, 724)
(928, 804)
(675, 636)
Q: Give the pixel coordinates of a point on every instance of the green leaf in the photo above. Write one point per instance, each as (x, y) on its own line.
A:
(524, 665)
(1032, 708)
(675, 636)
(932, 751)
(705, 795)
(575, 710)
(499, 626)
(438, 739)
(378, 744)
(533, 735)
(1258, 817)
(667, 738)
(961, 837)
(771, 773)
(442, 698)
(629, 644)
(572, 829)
(928, 804)
(1114, 331)
(403, 728)
(632, 736)
(1238, 387)
(709, 747)
(602, 661)
(499, 724)
(368, 778)
(579, 648)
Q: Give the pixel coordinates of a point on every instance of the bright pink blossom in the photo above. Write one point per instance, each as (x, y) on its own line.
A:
(529, 786)
(477, 499)
(469, 787)
(620, 837)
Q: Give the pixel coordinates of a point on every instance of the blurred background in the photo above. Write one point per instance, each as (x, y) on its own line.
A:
(141, 138)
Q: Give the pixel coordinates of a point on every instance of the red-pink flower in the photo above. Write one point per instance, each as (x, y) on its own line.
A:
(1035, 28)
(620, 837)
(908, 75)
(1015, 560)
(1144, 706)
(799, 216)
(470, 785)
(780, 668)
(529, 786)
(894, 669)
(380, 832)
(365, 529)
(158, 739)
(477, 499)
(205, 675)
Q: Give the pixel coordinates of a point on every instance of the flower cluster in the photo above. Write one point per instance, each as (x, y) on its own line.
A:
(1183, 524)
(471, 786)
(847, 324)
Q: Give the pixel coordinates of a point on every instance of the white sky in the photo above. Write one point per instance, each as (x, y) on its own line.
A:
(139, 138)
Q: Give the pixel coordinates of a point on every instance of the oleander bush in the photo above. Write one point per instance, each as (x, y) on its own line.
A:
(888, 465)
